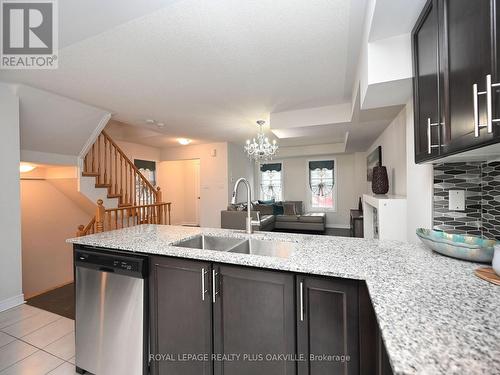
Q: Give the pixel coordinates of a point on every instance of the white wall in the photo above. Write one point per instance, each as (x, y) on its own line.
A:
(179, 180)
(239, 165)
(393, 142)
(10, 215)
(419, 190)
(138, 151)
(47, 258)
(213, 177)
(405, 177)
(296, 185)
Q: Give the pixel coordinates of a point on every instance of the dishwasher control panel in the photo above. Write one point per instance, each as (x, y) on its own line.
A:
(122, 264)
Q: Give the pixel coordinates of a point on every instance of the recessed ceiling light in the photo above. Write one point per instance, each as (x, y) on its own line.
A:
(160, 124)
(150, 121)
(23, 167)
(184, 141)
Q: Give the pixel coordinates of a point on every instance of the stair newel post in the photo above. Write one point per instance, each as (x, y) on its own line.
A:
(100, 216)
(105, 160)
(80, 232)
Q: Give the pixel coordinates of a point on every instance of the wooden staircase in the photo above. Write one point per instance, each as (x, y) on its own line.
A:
(139, 202)
(113, 170)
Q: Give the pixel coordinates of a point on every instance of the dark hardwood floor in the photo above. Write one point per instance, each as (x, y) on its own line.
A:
(59, 301)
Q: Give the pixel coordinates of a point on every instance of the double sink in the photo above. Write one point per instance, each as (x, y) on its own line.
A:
(251, 246)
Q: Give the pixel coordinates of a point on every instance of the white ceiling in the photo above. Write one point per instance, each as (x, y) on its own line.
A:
(210, 69)
(394, 17)
(207, 69)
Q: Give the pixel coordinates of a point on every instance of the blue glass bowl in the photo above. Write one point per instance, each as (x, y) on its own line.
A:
(471, 248)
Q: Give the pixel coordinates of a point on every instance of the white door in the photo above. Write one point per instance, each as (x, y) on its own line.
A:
(197, 190)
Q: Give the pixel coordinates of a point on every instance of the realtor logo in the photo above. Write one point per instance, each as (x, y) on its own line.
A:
(28, 34)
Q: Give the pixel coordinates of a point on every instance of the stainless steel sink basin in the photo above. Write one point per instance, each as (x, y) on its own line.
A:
(210, 243)
(263, 247)
(239, 245)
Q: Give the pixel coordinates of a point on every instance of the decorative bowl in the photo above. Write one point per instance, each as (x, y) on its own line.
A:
(471, 248)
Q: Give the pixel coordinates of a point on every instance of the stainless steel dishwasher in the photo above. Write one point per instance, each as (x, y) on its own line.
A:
(111, 316)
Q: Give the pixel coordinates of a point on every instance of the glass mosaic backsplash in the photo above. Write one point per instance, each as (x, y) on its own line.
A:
(481, 183)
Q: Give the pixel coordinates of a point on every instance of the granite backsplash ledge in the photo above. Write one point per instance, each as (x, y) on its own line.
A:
(481, 183)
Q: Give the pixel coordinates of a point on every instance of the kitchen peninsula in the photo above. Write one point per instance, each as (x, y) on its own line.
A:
(431, 314)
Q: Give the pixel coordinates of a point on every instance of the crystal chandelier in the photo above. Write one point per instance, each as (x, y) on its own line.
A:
(260, 148)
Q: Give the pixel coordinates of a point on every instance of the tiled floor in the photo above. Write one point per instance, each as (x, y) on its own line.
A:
(36, 342)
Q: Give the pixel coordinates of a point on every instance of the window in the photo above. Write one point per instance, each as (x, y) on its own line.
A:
(271, 181)
(322, 184)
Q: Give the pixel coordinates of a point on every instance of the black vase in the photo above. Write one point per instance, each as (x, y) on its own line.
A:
(380, 181)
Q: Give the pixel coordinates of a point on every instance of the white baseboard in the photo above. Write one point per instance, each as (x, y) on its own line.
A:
(11, 302)
(338, 226)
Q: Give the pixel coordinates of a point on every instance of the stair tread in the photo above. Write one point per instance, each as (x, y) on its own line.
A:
(90, 174)
(102, 185)
(114, 195)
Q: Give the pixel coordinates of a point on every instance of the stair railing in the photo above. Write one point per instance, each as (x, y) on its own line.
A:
(107, 219)
(113, 169)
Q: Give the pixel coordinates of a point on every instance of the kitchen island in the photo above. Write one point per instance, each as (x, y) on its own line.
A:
(434, 315)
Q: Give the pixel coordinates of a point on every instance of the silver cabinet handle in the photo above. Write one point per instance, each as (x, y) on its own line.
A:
(301, 291)
(203, 290)
(475, 94)
(430, 146)
(214, 285)
(489, 105)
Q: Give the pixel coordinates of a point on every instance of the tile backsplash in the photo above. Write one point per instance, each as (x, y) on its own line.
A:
(481, 183)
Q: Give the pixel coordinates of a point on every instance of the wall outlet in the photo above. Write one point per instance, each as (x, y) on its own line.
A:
(456, 201)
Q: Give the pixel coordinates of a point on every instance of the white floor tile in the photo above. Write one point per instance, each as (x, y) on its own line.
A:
(72, 360)
(16, 314)
(65, 369)
(31, 324)
(14, 352)
(5, 339)
(50, 333)
(39, 363)
(64, 347)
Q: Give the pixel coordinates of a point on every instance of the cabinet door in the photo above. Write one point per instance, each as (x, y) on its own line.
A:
(426, 84)
(468, 57)
(327, 325)
(181, 316)
(254, 316)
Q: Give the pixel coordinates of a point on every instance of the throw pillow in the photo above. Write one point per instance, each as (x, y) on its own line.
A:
(289, 209)
(277, 209)
(264, 209)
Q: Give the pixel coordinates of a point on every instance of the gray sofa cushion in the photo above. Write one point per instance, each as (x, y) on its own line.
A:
(314, 217)
(286, 218)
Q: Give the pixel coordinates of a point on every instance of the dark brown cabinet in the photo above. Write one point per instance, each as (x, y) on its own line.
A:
(215, 319)
(254, 317)
(181, 316)
(427, 84)
(455, 58)
(327, 326)
(467, 55)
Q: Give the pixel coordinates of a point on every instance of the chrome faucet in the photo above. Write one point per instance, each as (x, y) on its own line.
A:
(249, 229)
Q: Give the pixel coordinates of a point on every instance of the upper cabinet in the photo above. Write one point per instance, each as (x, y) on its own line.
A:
(455, 74)
(427, 79)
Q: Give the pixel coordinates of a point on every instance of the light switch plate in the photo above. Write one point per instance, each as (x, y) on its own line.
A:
(456, 200)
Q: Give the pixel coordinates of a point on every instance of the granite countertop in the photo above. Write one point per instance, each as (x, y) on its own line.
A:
(436, 317)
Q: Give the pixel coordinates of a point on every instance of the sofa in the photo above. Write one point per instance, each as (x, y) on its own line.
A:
(266, 218)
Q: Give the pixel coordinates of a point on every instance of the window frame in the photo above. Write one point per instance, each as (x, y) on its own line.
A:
(259, 180)
(334, 191)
